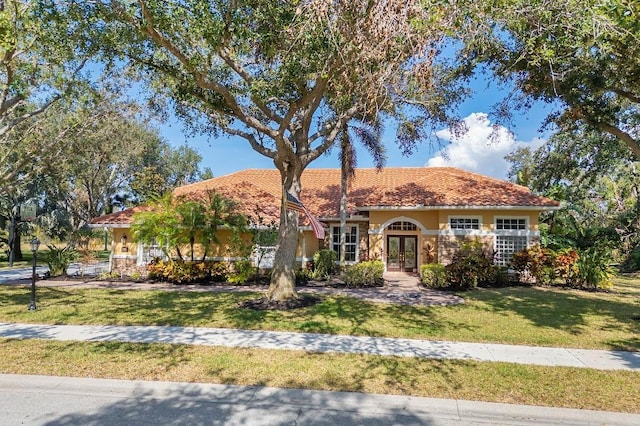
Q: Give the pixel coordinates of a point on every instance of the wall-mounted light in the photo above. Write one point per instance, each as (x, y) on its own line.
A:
(123, 242)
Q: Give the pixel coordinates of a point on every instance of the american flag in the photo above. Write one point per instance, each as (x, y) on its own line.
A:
(296, 205)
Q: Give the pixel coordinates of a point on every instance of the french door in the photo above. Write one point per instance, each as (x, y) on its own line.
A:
(402, 253)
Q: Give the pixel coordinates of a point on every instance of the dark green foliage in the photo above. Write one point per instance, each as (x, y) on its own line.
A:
(365, 274)
(324, 263)
(242, 272)
(434, 275)
(181, 272)
(589, 268)
(472, 265)
(303, 276)
(536, 264)
(59, 259)
(593, 270)
(632, 263)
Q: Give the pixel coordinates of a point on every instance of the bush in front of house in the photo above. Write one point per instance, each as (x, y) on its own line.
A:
(471, 265)
(434, 275)
(537, 263)
(592, 269)
(324, 263)
(303, 276)
(182, 272)
(242, 272)
(587, 269)
(365, 274)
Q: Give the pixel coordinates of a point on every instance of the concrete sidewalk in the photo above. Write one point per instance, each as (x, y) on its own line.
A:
(325, 343)
(43, 400)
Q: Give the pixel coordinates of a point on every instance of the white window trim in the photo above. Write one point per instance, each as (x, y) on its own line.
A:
(464, 231)
(357, 243)
(511, 231)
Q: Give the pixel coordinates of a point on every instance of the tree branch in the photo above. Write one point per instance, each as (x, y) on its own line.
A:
(199, 76)
(626, 94)
(330, 133)
(613, 130)
(244, 75)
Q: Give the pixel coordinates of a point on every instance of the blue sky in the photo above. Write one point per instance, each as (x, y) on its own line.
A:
(473, 151)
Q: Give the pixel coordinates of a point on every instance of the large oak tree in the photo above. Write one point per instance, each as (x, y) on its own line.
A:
(285, 76)
(583, 56)
(39, 65)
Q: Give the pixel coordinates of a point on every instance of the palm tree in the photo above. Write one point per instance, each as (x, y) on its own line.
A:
(369, 133)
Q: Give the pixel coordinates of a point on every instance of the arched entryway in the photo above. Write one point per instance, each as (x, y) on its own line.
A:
(401, 237)
(402, 253)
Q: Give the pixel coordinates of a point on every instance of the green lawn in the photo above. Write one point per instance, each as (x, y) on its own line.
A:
(517, 315)
(539, 316)
(489, 381)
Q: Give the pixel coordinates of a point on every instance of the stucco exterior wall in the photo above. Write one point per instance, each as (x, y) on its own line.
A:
(130, 248)
(436, 242)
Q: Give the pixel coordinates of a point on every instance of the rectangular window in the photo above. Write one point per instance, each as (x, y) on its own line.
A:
(506, 245)
(464, 223)
(351, 242)
(511, 223)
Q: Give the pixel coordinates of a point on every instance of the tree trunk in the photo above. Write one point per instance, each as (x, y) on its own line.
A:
(344, 181)
(283, 280)
(17, 249)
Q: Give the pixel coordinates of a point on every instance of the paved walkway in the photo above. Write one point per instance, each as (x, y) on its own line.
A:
(325, 343)
(42, 400)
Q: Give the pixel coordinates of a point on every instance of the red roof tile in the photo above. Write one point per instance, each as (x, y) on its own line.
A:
(123, 217)
(389, 187)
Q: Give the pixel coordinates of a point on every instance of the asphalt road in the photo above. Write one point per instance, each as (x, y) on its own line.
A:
(42, 400)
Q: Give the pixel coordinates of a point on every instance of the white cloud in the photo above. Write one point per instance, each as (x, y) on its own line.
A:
(481, 148)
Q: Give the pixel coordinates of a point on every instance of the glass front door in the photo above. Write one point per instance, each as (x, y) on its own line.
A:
(401, 253)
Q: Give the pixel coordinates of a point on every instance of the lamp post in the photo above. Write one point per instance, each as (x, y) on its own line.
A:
(35, 243)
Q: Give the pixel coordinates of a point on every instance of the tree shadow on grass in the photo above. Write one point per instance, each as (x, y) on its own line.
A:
(567, 310)
(422, 322)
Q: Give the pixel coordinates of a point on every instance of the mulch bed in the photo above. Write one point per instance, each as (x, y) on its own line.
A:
(264, 304)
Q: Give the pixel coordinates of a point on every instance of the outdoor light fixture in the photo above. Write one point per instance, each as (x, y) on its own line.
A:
(35, 244)
(123, 241)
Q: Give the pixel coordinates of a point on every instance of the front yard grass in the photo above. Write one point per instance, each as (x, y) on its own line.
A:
(494, 382)
(516, 315)
(521, 315)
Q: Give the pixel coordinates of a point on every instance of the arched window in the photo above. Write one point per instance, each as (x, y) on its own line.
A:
(402, 226)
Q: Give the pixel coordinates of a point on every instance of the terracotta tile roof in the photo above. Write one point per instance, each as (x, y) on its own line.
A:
(390, 187)
(123, 217)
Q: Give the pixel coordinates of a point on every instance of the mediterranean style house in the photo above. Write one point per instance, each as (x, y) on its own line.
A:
(403, 216)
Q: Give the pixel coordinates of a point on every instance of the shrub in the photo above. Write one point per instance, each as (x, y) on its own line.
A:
(303, 276)
(536, 262)
(218, 271)
(565, 264)
(632, 263)
(470, 266)
(592, 269)
(242, 272)
(324, 263)
(59, 260)
(181, 272)
(434, 275)
(365, 274)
